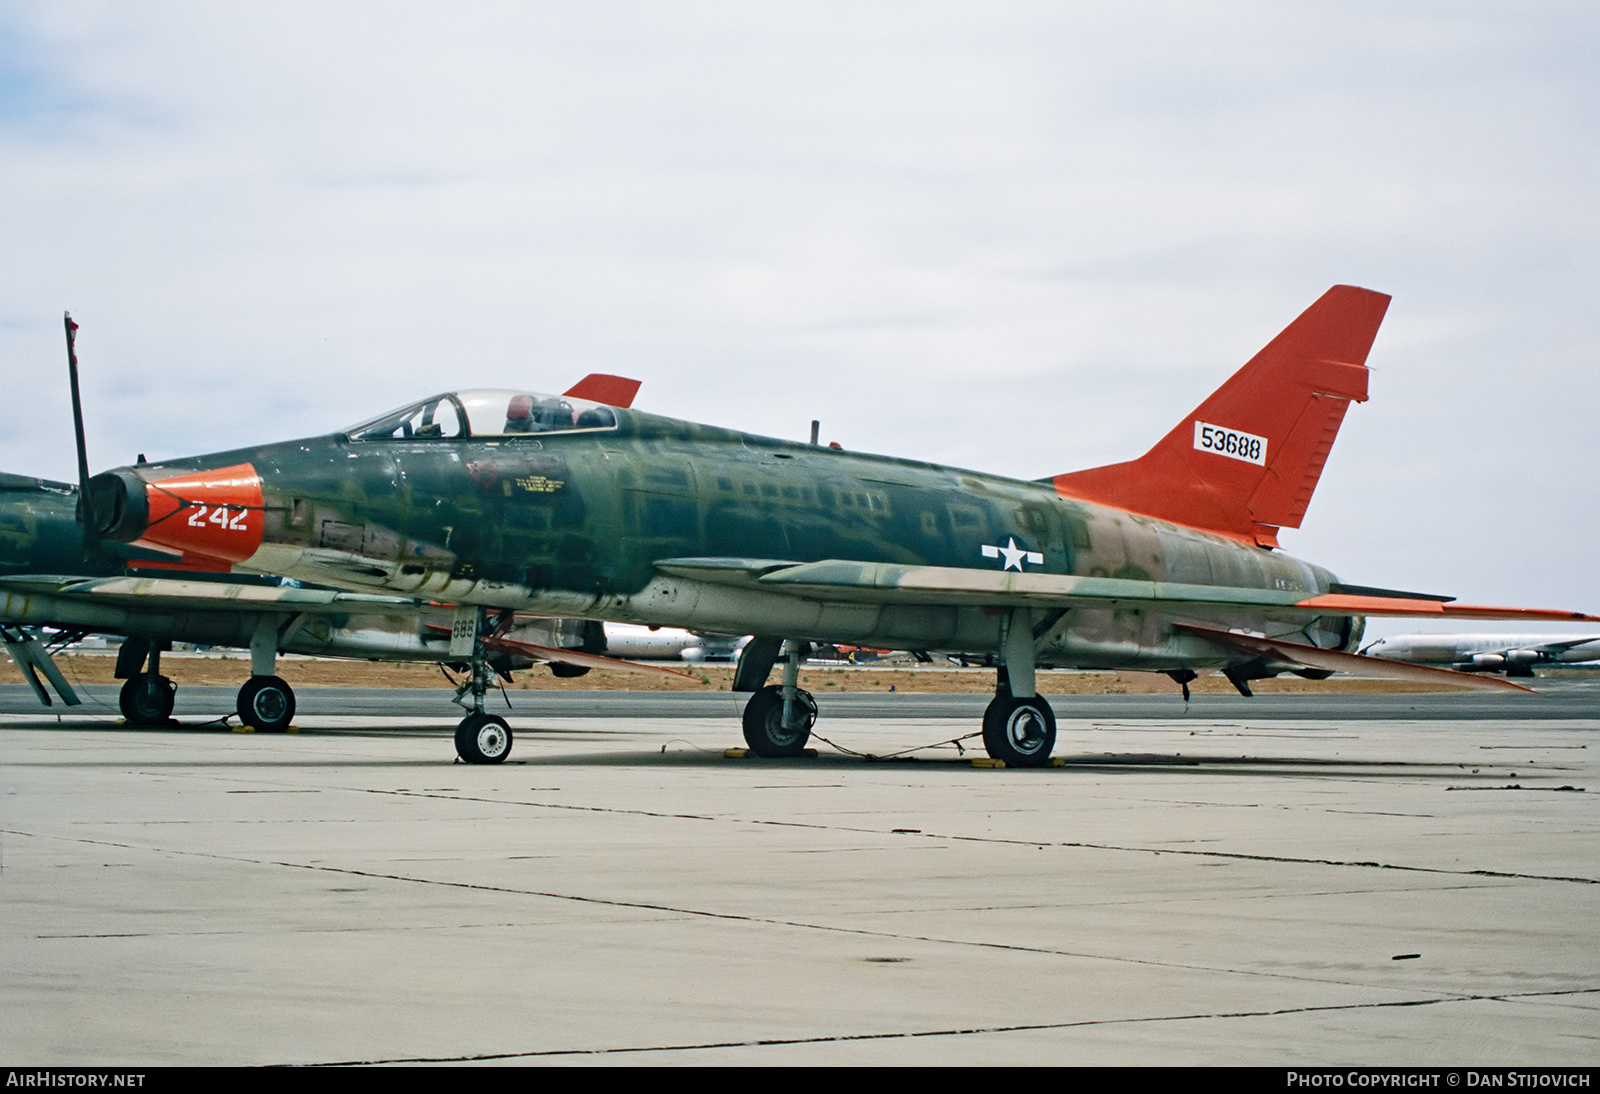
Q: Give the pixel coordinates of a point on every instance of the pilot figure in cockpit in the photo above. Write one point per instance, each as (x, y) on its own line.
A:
(524, 414)
(519, 415)
(527, 414)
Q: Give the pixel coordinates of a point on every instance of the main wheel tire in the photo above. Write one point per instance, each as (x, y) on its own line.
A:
(764, 730)
(483, 739)
(146, 699)
(267, 703)
(1021, 732)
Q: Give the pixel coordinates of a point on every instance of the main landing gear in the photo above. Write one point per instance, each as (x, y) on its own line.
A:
(147, 696)
(481, 738)
(146, 699)
(778, 718)
(1021, 732)
(266, 703)
(1019, 728)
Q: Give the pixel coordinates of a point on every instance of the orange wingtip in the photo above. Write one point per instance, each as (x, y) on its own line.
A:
(1397, 606)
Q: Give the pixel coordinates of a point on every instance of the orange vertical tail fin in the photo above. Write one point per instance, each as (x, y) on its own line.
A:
(1246, 461)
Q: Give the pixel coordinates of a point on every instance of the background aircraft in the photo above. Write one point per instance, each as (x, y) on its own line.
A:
(50, 579)
(1512, 654)
(504, 499)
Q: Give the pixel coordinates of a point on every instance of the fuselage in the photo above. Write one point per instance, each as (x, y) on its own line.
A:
(574, 523)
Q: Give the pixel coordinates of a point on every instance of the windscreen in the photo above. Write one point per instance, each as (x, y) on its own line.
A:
(486, 413)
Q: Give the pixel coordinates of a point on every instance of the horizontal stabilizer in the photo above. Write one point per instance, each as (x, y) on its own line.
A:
(1311, 657)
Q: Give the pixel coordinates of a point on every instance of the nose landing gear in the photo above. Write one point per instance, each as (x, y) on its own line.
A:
(483, 739)
(480, 738)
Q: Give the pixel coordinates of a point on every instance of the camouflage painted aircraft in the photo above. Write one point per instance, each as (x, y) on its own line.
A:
(52, 577)
(559, 506)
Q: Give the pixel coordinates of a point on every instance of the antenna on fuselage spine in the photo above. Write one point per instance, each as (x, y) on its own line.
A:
(85, 518)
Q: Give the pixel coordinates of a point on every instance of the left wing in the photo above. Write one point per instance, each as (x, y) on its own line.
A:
(177, 594)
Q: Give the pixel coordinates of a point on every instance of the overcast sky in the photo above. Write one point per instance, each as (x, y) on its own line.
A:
(1025, 238)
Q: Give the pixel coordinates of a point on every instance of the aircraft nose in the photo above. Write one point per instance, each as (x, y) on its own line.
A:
(211, 515)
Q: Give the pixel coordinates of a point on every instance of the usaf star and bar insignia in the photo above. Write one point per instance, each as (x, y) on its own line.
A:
(1015, 556)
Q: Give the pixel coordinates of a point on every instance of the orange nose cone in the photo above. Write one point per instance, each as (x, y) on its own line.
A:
(210, 514)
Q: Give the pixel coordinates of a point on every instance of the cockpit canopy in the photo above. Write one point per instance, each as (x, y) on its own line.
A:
(486, 413)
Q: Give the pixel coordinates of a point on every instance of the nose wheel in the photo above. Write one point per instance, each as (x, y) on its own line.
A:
(483, 739)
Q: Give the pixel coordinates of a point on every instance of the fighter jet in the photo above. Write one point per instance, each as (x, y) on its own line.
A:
(54, 580)
(495, 499)
(1512, 654)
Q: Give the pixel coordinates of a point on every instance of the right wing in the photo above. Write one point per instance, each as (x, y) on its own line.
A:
(955, 586)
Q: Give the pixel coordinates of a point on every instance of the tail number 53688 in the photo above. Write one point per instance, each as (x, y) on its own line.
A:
(1231, 443)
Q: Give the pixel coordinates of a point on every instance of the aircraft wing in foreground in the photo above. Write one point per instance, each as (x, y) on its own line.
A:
(563, 507)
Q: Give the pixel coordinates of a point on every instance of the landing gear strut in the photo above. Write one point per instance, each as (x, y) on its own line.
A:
(779, 717)
(480, 738)
(1019, 728)
(266, 702)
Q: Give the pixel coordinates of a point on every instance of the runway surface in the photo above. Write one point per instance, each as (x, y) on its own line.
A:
(1303, 880)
